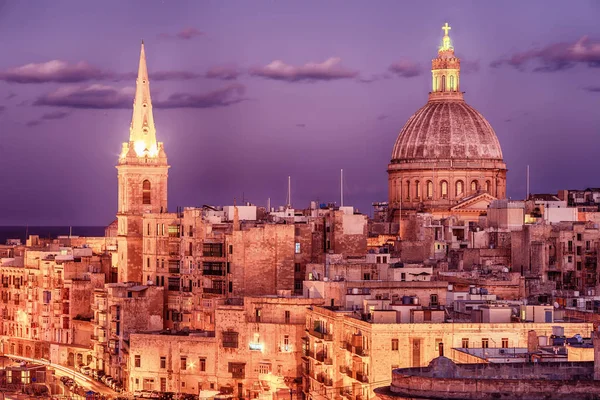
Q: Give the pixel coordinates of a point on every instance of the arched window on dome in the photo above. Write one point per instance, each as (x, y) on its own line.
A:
(146, 192)
(452, 83)
(444, 189)
(429, 189)
(488, 186)
(436, 87)
(459, 188)
(407, 190)
(443, 83)
(474, 186)
(417, 190)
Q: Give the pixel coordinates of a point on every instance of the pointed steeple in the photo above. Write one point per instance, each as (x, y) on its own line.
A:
(142, 132)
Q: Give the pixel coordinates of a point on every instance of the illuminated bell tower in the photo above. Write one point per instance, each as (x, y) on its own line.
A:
(445, 70)
(142, 173)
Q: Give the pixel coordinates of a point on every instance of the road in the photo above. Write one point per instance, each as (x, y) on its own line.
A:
(80, 379)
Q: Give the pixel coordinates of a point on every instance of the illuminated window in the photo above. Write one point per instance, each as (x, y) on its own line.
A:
(286, 343)
(443, 83)
(488, 186)
(459, 188)
(429, 189)
(417, 189)
(474, 186)
(146, 192)
(444, 189)
(452, 82)
(297, 248)
(485, 343)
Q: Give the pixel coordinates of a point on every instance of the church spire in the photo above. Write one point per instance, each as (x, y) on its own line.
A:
(142, 132)
(445, 70)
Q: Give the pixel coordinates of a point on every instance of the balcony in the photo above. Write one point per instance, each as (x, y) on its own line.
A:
(322, 357)
(324, 379)
(174, 270)
(328, 337)
(213, 290)
(362, 377)
(213, 272)
(308, 353)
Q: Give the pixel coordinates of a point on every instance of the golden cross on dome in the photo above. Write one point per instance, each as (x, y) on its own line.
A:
(446, 28)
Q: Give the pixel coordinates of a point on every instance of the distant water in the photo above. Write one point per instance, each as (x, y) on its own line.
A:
(20, 232)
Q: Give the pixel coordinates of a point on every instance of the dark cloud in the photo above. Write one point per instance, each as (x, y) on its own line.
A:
(301, 125)
(382, 117)
(555, 57)
(226, 96)
(185, 34)
(406, 69)
(34, 122)
(374, 78)
(93, 96)
(10, 95)
(223, 72)
(593, 89)
(55, 115)
(2, 108)
(468, 66)
(54, 71)
(328, 70)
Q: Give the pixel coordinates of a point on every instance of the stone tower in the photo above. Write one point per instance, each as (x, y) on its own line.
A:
(142, 173)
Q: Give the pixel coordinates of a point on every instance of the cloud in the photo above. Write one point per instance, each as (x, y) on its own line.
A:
(222, 97)
(10, 95)
(301, 125)
(328, 70)
(173, 76)
(406, 69)
(555, 57)
(34, 122)
(185, 34)
(55, 115)
(94, 96)
(374, 78)
(54, 71)
(223, 72)
(2, 108)
(593, 89)
(382, 117)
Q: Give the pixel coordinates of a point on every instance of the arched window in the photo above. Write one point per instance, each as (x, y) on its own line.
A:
(443, 83)
(436, 88)
(474, 186)
(459, 188)
(452, 83)
(444, 189)
(146, 192)
(429, 189)
(407, 191)
(488, 186)
(417, 189)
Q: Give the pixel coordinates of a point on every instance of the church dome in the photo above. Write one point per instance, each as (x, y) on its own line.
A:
(446, 130)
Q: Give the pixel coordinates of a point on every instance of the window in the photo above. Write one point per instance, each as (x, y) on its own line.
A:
(148, 232)
(417, 189)
(485, 343)
(394, 344)
(444, 189)
(459, 188)
(138, 361)
(297, 267)
(264, 368)
(230, 339)
(505, 343)
(230, 249)
(257, 314)
(474, 186)
(488, 186)
(465, 343)
(433, 300)
(452, 82)
(366, 276)
(202, 365)
(146, 192)
(443, 83)
(286, 343)
(570, 259)
(579, 237)
(407, 191)
(587, 245)
(237, 370)
(163, 362)
(287, 316)
(429, 189)
(183, 363)
(297, 248)
(578, 265)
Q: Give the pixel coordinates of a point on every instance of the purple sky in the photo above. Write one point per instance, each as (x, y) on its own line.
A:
(240, 107)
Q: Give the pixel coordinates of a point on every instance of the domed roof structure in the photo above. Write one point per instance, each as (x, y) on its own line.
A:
(446, 129)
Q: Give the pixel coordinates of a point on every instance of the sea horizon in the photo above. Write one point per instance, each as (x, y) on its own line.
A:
(48, 231)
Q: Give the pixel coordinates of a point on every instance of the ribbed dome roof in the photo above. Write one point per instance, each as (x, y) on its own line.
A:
(446, 129)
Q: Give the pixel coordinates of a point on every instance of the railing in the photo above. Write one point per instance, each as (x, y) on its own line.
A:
(362, 377)
(321, 335)
(214, 272)
(173, 288)
(213, 290)
(174, 270)
(322, 357)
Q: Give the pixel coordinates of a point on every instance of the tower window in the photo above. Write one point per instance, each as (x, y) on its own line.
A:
(459, 188)
(407, 190)
(443, 83)
(488, 186)
(474, 186)
(417, 189)
(444, 189)
(452, 82)
(429, 189)
(146, 192)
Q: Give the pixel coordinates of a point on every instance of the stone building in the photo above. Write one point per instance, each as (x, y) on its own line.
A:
(447, 158)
